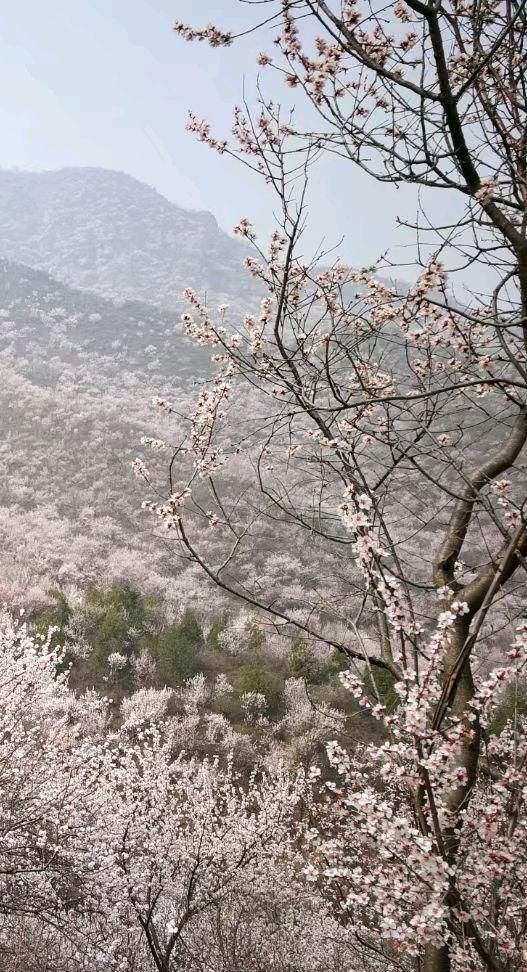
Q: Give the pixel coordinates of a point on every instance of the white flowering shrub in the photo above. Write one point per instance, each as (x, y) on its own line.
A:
(147, 705)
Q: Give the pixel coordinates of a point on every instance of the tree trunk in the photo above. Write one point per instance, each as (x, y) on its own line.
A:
(436, 959)
(463, 694)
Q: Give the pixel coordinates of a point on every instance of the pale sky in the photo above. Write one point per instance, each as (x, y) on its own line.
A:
(108, 83)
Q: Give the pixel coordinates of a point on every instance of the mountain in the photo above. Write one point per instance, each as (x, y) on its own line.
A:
(77, 377)
(92, 265)
(89, 334)
(41, 317)
(107, 232)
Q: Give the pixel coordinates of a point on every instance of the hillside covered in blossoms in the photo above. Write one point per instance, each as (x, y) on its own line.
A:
(263, 517)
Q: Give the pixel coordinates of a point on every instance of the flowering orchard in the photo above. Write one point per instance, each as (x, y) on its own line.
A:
(117, 852)
(383, 431)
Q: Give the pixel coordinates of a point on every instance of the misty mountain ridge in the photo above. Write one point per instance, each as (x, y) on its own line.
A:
(105, 231)
(90, 282)
(38, 311)
(77, 376)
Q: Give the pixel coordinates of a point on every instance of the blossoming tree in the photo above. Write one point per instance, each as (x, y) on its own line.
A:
(385, 433)
(119, 853)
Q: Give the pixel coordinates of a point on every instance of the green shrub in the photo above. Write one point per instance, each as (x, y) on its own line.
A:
(379, 685)
(190, 630)
(118, 618)
(513, 704)
(258, 678)
(57, 615)
(216, 629)
(255, 637)
(176, 650)
(304, 663)
(337, 662)
(229, 706)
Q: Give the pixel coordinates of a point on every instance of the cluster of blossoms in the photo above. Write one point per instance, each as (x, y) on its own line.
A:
(117, 661)
(170, 512)
(502, 489)
(211, 34)
(208, 412)
(140, 469)
(390, 875)
(198, 325)
(163, 404)
(254, 705)
(157, 445)
(399, 880)
(487, 689)
(244, 228)
(119, 852)
(357, 513)
(147, 705)
(486, 190)
(202, 130)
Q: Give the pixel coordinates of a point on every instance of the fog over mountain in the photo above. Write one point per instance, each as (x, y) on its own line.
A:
(105, 231)
(82, 353)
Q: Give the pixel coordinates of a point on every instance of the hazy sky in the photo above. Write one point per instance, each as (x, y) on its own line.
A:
(108, 83)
